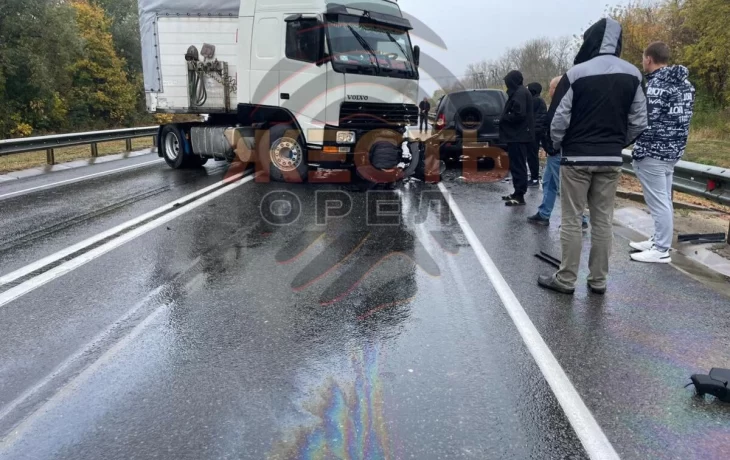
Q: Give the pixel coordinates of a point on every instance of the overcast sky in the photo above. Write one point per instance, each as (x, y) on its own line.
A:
(473, 30)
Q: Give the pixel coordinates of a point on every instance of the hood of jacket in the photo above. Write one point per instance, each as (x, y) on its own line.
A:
(603, 37)
(535, 88)
(673, 74)
(513, 80)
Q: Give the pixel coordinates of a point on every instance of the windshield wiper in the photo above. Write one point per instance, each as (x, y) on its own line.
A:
(365, 45)
(405, 55)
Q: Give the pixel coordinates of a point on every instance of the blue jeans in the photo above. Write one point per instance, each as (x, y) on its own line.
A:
(550, 187)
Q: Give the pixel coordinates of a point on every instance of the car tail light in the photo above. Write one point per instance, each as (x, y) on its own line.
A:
(441, 121)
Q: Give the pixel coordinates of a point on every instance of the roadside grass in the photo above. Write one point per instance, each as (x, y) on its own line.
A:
(713, 152)
(709, 138)
(29, 160)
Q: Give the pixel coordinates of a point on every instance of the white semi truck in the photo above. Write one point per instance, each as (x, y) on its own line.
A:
(293, 86)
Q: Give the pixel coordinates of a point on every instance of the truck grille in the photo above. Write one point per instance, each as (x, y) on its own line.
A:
(369, 113)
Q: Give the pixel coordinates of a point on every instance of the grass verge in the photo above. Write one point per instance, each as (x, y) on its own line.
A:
(711, 152)
(29, 160)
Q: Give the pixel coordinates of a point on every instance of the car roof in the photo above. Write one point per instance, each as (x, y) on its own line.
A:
(476, 91)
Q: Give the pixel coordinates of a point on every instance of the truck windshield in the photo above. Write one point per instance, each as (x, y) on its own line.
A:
(361, 46)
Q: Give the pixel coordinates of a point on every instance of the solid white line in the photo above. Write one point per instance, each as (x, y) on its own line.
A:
(56, 272)
(75, 383)
(62, 254)
(589, 432)
(79, 179)
(92, 345)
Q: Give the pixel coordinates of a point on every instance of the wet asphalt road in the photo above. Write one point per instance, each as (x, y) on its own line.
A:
(229, 332)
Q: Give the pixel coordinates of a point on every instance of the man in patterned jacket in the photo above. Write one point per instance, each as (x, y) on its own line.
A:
(671, 103)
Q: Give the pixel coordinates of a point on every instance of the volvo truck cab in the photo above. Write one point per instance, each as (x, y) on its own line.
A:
(294, 86)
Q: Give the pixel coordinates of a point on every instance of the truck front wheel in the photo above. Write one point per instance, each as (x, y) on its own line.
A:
(287, 154)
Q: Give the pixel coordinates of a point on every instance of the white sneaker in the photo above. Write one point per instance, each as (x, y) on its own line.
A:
(644, 245)
(652, 256)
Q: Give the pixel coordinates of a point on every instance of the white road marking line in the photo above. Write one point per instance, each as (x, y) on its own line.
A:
(56, 272)
(96, 342)
(79, 179)
(62, 254)
(589, 432)
(76, 382)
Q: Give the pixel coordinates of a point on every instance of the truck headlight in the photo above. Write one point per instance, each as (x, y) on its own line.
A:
(345, 137)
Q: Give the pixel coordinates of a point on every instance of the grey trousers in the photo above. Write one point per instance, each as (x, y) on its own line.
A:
(594, 186)
(656, 180)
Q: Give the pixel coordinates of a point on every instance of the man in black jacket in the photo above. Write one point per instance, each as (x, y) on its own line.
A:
(600, 109)
(424, 107)
(540, 109)
(517, 130)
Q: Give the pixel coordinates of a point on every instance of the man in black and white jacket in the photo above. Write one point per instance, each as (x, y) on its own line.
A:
(671, 103)
(602, 110)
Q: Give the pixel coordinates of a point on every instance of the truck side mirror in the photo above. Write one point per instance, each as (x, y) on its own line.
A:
(416, 55)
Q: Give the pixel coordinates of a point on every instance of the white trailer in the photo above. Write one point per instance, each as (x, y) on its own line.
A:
(290, 85)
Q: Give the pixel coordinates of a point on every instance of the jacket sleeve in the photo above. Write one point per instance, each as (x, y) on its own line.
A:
(540, 117)
(561, 109)
(638, 117)
(518, 106)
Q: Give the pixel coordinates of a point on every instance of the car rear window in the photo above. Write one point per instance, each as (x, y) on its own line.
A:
(490, 101)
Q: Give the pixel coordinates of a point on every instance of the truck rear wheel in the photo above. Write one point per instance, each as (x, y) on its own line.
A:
(287, 154)
(172, 146)
(173, 150)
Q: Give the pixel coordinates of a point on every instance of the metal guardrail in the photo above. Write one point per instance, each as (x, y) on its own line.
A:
(49, 143)
(704, 181)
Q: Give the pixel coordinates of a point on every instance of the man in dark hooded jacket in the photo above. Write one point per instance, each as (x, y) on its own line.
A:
(540, 109)
(517, 130)
(600, 110)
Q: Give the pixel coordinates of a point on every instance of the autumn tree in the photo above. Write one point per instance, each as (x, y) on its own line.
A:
(102, 93)
(708, 53)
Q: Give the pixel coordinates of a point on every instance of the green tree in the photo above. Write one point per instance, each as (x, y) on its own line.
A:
(708, 54)
(102, 93)
(124, 17)
(38, 41)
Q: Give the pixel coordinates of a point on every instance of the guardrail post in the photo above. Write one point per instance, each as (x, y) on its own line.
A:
(154, 141)
(50, 157)
(94, 150)
(128, 144)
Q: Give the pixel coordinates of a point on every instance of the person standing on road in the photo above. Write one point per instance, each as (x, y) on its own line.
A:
(517, 130)
(601, 109)
(671, 103)
(551, 175)
(424, 108)
(540, 110)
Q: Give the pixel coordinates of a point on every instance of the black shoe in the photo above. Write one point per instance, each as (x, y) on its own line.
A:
(508, 197)
(597, 290)
(538, 219)
(533, 183)
(515, 202)
(552, 284)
